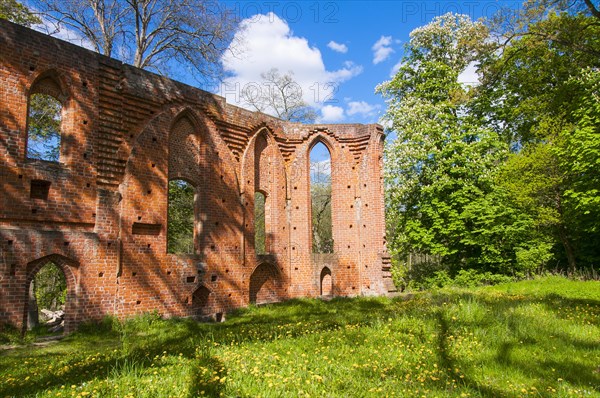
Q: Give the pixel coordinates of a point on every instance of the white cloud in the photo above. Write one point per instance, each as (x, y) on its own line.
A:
(331, 114)
(469, 76)
(268, 42)
(361, 108)
(337, 47)
(381, 49)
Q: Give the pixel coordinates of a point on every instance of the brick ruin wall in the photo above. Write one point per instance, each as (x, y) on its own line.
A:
(125, 133)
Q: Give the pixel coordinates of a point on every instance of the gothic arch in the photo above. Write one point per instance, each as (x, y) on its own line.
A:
(70, 270)
(265, 284)
(326, 282)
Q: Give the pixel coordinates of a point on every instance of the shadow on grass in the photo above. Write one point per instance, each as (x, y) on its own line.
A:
(140, 340)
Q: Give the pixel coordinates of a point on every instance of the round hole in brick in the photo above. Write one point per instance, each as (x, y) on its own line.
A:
(149, 191)
(168, 272)
(223, 200)
(295, 187)
(348, 267)
(350, 225)
(248, 181)
(87, 185)
(293, 248)
(365, 185)
(229, 295)
(217, 223)
(212, 247)
(348, 246)
(366, 205)
(294, 228)
(85, 122)
(139, 218)
(297, 207)
(352, 206)
(148, 245)
(349, 186)
(130, 135)
(138, 302)
(154, 139)
(100, 275)
(32, 68)
(109, 244)
(85, 155)
(94, 215)
(134, 274)
(284, 228)
(153, 165)
(364, 226)
(295, 268)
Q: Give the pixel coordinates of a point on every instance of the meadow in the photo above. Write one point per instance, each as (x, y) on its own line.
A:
(533, 338)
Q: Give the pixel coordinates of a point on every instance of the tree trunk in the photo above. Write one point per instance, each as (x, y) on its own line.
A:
(32, 308)
(568, 249)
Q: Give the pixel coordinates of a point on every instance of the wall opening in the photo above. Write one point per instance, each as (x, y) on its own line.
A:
(320, 199)
(181, 217)
(265, 284)
(47, 298)
(260, 237)
(326, 282)
(200, 301)
(43, 127)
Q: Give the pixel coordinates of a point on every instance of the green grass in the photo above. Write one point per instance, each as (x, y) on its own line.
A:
(534, 338)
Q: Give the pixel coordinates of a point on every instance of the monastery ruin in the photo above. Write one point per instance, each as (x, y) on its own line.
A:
(100, 211)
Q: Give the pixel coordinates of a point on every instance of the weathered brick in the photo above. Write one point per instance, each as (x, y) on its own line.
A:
(126, 133)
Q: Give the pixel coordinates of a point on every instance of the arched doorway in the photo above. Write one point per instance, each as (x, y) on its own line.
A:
(326, 282)
(50, 294)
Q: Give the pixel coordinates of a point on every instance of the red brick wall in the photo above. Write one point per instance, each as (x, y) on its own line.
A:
(125, 134)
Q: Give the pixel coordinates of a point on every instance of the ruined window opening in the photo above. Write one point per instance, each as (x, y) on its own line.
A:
(260, 234)
(181, 217)
(44, 127)
(47, 298)
(320, 198)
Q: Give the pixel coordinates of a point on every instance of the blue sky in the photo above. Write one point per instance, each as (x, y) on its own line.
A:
(338, 50)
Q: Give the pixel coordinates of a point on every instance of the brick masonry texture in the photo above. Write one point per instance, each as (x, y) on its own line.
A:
(125, 134)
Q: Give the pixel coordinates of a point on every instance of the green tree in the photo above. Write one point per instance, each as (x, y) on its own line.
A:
(260, 237)
(439, 168)
(43, 127)
(50, 287)
(538, 93)
(16, 12)
(181, 217)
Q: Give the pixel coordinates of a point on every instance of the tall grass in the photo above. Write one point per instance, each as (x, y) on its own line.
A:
(532, 338)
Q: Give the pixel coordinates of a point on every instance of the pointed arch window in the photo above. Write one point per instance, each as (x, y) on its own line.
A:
(45, 120)
(320, 198)
(181, 217)
(260, 233)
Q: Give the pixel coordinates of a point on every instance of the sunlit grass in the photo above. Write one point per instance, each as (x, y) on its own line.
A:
(533, 338)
